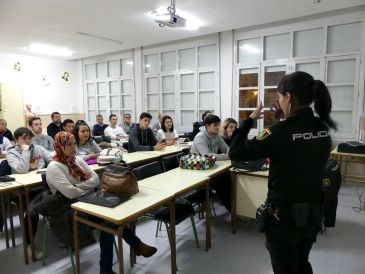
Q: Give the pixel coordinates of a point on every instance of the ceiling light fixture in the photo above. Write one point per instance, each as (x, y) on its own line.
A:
(49, 50)
(99, 37)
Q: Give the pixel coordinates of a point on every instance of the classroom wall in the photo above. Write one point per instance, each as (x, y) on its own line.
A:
(41, 82)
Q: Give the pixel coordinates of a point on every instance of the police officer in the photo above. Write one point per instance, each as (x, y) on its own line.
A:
(298, 148)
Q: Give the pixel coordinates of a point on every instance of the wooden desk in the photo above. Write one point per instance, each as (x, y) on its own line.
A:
(348, 158)
(5, 189)
(187, 175)
(145, 201)
(249, 191)
(178, 183)
(168, 150)
(218, 168)
(28, 181)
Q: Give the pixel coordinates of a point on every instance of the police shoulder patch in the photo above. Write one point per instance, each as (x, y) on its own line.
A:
(263, 134)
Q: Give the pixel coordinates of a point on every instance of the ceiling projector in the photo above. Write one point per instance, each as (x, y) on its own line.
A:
(170, 19)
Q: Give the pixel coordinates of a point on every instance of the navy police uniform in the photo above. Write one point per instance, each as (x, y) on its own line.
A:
(298, 148)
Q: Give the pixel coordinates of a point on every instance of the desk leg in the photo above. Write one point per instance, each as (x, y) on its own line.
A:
(76, 242)
(132, 255)
(120, 249)
(233, 203)
(208, 239)
(22, 225)
(5, 220)
(173, 237)
(30, 226)
(11, 223)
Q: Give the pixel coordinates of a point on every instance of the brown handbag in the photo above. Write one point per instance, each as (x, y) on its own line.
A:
(119, 179)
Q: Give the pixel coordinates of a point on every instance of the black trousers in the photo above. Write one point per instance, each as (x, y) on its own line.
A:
(222, 185)
(289, 258)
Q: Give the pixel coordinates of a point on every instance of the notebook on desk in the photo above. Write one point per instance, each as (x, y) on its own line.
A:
(102, 198)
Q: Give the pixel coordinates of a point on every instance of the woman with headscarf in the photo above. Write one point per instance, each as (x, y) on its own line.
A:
(72, 177)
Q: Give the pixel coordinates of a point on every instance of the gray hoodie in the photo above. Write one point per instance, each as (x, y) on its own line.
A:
(210, 144)
(44, 141)
(24, 161)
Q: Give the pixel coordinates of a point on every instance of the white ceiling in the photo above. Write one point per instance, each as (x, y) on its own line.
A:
(56, 22)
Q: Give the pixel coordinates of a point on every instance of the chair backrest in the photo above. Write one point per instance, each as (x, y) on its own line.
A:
(44, 182)
(147, 170)
(179, 155)
(5, 169)
(170, 162)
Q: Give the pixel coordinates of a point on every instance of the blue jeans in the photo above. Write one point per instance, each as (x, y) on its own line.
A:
(107, 241)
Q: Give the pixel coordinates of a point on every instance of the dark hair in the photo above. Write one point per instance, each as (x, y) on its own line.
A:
(164, 118)
(205, 114)
(67, 121)
(111, 115)
(78, 124)
(23, 131)
(125, 114)
(211, 119)
(55, 113)
(145, 115)
(30, 121)
(304, 90)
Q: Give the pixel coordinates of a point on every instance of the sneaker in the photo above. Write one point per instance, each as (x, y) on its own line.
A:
(145, 250)
(38, 253)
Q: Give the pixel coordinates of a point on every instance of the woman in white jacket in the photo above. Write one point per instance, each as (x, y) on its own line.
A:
(72, 177)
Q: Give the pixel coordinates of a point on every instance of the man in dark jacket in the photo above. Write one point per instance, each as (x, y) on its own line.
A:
(56, 125)
(4, 131)
(141, 137)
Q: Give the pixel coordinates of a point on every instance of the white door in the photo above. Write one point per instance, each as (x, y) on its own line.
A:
(12, 108)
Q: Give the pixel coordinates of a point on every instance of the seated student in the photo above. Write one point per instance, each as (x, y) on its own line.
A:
(45, 141)
(87, 148)
(167, 131)
(72, 177)
(227, 128)
(68, 125)
(157, 125)
(99, 127)
(127, 124)
(208, 141)
(56, 125)
(141, 137)
(25, 157)
(4, 131)
(4, 145)
(199, 126)
(114, 131)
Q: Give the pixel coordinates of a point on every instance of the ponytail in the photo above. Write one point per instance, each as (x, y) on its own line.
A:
(323, 103)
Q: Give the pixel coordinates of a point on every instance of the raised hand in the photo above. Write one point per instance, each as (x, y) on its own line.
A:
(258, 112)
(276, 110)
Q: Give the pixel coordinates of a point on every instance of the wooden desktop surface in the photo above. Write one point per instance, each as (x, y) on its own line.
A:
(336, 153)
(137, 205)
(219, 167)
(9, 186)
(173, 183)
(29, 179)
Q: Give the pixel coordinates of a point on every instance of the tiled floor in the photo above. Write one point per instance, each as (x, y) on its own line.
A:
(340, 250)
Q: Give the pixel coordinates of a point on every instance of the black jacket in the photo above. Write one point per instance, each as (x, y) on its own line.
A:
(298, 149)
(8, 134)
(141, 140)
(53, 129)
